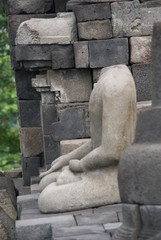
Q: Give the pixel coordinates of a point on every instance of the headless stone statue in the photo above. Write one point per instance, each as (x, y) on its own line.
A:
(87, 176)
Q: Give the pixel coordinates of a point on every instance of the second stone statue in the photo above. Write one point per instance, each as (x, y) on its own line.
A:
(87, 177)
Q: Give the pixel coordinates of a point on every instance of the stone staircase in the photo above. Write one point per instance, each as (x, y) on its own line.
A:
(94, 223)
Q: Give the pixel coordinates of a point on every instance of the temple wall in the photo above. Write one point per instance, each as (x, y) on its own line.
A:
(108, 32)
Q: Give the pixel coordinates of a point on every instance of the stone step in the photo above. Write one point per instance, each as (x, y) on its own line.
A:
(94, 223)
(77, 230)
(35, 184)
(41, 228)
(141, 106)
(29, 201)
(35, 188)
(103, 218)
(112, 227)
(103, 236)
(35, 180)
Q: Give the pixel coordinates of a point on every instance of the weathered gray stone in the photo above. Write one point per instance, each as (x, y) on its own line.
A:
(73, 3)
(157, 237)
(35, 188)
(108, 208)
(31, 141)
(73, 124)
(140, 49)
(95, 30)
(60, 5)
(142, 77)
(76, 230)
(62, 30)
(91, 12)
(48, 97)
(96, 75)
(3, 231)
(23, 85)
(131, 223)
(14, 22)
(28, 201)
(25, 190)
(31, 214)
(29, 113)
(51, 149)
(7, 205)
(83, 212)
(33, 52)
(8, 197)
(48, 116)
(35, 179)
(155, 66)
(120, 216)
(34, 214)
(63, 56)
(105, 53)
(108, 217)
(102, 236)
(18, 7)
(130, 19)
(151, 221)
(41, 228)
(36, 65)
(40, 81)
(141, 106)
(81, 54)
(7, 226)
(18, 183)
(30, 167)
(14, 63)
(41, 232)
(67, 146)
(45, 56)
(14, 173)
(112, 227)
(80, 80)
(151, 3)
(144, 154)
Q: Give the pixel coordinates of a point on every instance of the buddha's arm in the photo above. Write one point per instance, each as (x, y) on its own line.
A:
(78, 153)
(64, 159)
(118, 128)
(94, 160)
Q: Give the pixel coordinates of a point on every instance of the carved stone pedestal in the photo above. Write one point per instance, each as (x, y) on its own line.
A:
(140, 222)
(139, 172)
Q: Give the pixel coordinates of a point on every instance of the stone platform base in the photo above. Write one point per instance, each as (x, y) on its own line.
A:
(89, 224)
(140, 222)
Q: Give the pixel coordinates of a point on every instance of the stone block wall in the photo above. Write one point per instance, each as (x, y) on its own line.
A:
(54, 76)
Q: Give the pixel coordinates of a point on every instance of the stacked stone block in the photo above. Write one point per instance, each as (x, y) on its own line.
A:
(28, 98)
(8, 209)
(102, 33)
(139, 168)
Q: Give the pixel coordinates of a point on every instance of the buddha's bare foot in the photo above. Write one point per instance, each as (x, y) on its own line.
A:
(75, 165)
